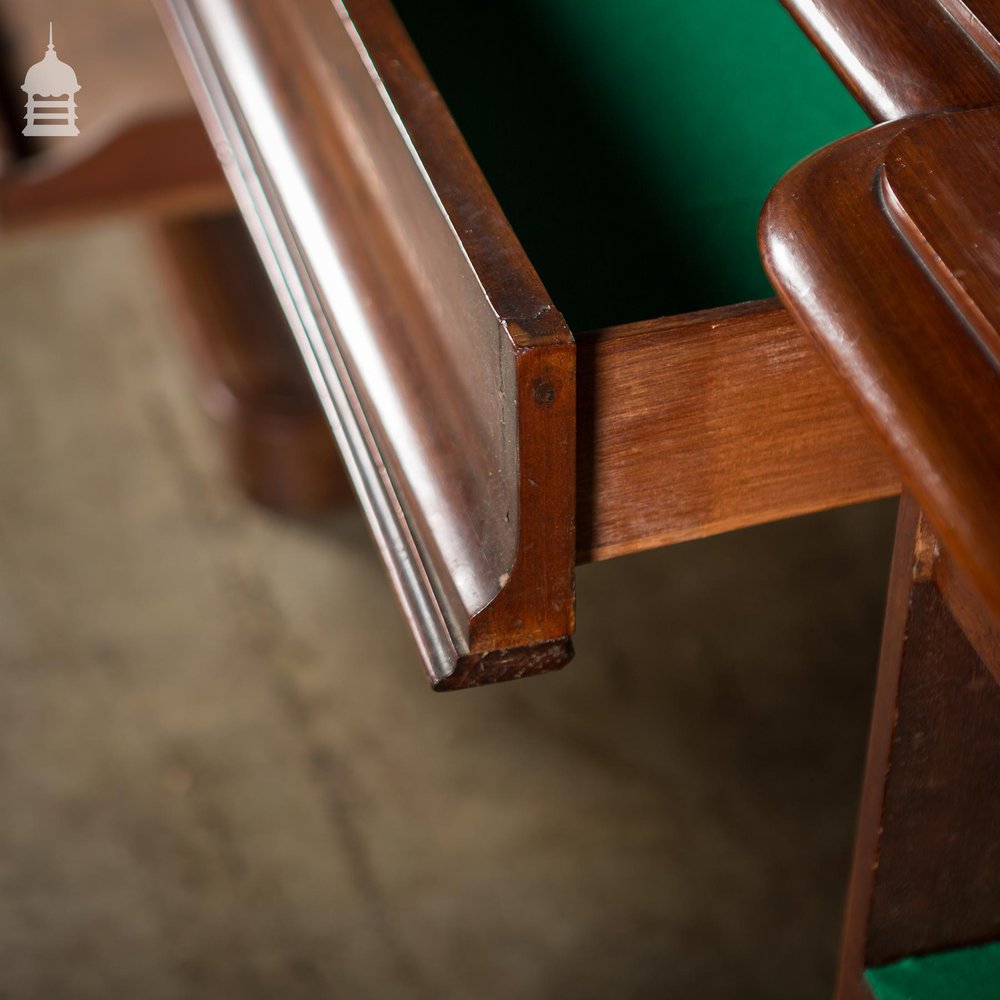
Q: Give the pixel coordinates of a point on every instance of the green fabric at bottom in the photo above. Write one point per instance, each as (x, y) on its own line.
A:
(964, 974)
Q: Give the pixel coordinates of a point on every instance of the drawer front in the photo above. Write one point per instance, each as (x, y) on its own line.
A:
(447, 374)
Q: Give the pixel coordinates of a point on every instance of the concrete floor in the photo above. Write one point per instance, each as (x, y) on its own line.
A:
(222, 774)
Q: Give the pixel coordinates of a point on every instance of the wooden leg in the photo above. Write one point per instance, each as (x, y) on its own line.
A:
(280, 445)
(926, 872)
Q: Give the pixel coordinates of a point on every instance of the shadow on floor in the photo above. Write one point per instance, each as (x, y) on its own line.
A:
(223, 774)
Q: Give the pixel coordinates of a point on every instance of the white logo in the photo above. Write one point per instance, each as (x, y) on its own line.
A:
(51, 78)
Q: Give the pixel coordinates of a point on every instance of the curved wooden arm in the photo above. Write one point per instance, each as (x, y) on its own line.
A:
(886, 247)
(907, 57)
(445, 370)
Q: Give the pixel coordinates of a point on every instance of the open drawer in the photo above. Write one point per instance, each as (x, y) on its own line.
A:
(490, 448)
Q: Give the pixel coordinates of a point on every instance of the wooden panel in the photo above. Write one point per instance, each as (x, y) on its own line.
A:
(905, 57)
(927, 860)
(697, 424)
(908, 347)
(444, 368)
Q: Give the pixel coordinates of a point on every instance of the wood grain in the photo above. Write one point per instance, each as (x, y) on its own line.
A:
(909, 346)
(444, 368)
(697, 424)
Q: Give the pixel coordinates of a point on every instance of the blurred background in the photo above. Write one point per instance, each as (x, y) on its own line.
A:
(222, 773)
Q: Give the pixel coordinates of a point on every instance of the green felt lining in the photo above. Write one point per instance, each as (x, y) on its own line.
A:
(632, 143)
(963, 974)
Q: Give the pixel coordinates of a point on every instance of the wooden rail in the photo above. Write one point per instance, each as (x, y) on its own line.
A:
(692, 425)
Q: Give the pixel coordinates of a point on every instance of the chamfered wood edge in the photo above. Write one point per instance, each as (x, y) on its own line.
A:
(453, 651)
(820, 230)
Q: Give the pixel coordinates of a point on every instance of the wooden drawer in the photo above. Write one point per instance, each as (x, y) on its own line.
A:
(491, 447)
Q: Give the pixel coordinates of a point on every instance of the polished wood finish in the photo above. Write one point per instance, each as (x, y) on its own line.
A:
(449, 377)
(884, 247)
(778, 439)
(907, 57)
(941, 189)
(926, 869)
(696, 424)
(254, 380)
(889, 266)
(447, 373)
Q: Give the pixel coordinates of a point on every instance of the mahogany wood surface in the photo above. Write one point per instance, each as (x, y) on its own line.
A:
(444, 368)
(967, 607)
(861, 240)
(885, 248)
(255, 382)
(696, 424)
(687, 426)
(926, 868)
(906, 57)
(941, 189)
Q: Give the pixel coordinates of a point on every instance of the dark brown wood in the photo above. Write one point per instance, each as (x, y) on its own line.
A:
(941, 189)
(853, 960)
(885, 248)
(255, 382)
(858, 239)
(692, 425)
(906, 57)
(442, 364)
(968, 608)
(926, 873)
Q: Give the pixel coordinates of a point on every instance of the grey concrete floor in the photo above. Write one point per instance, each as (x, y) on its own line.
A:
(222, 774)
